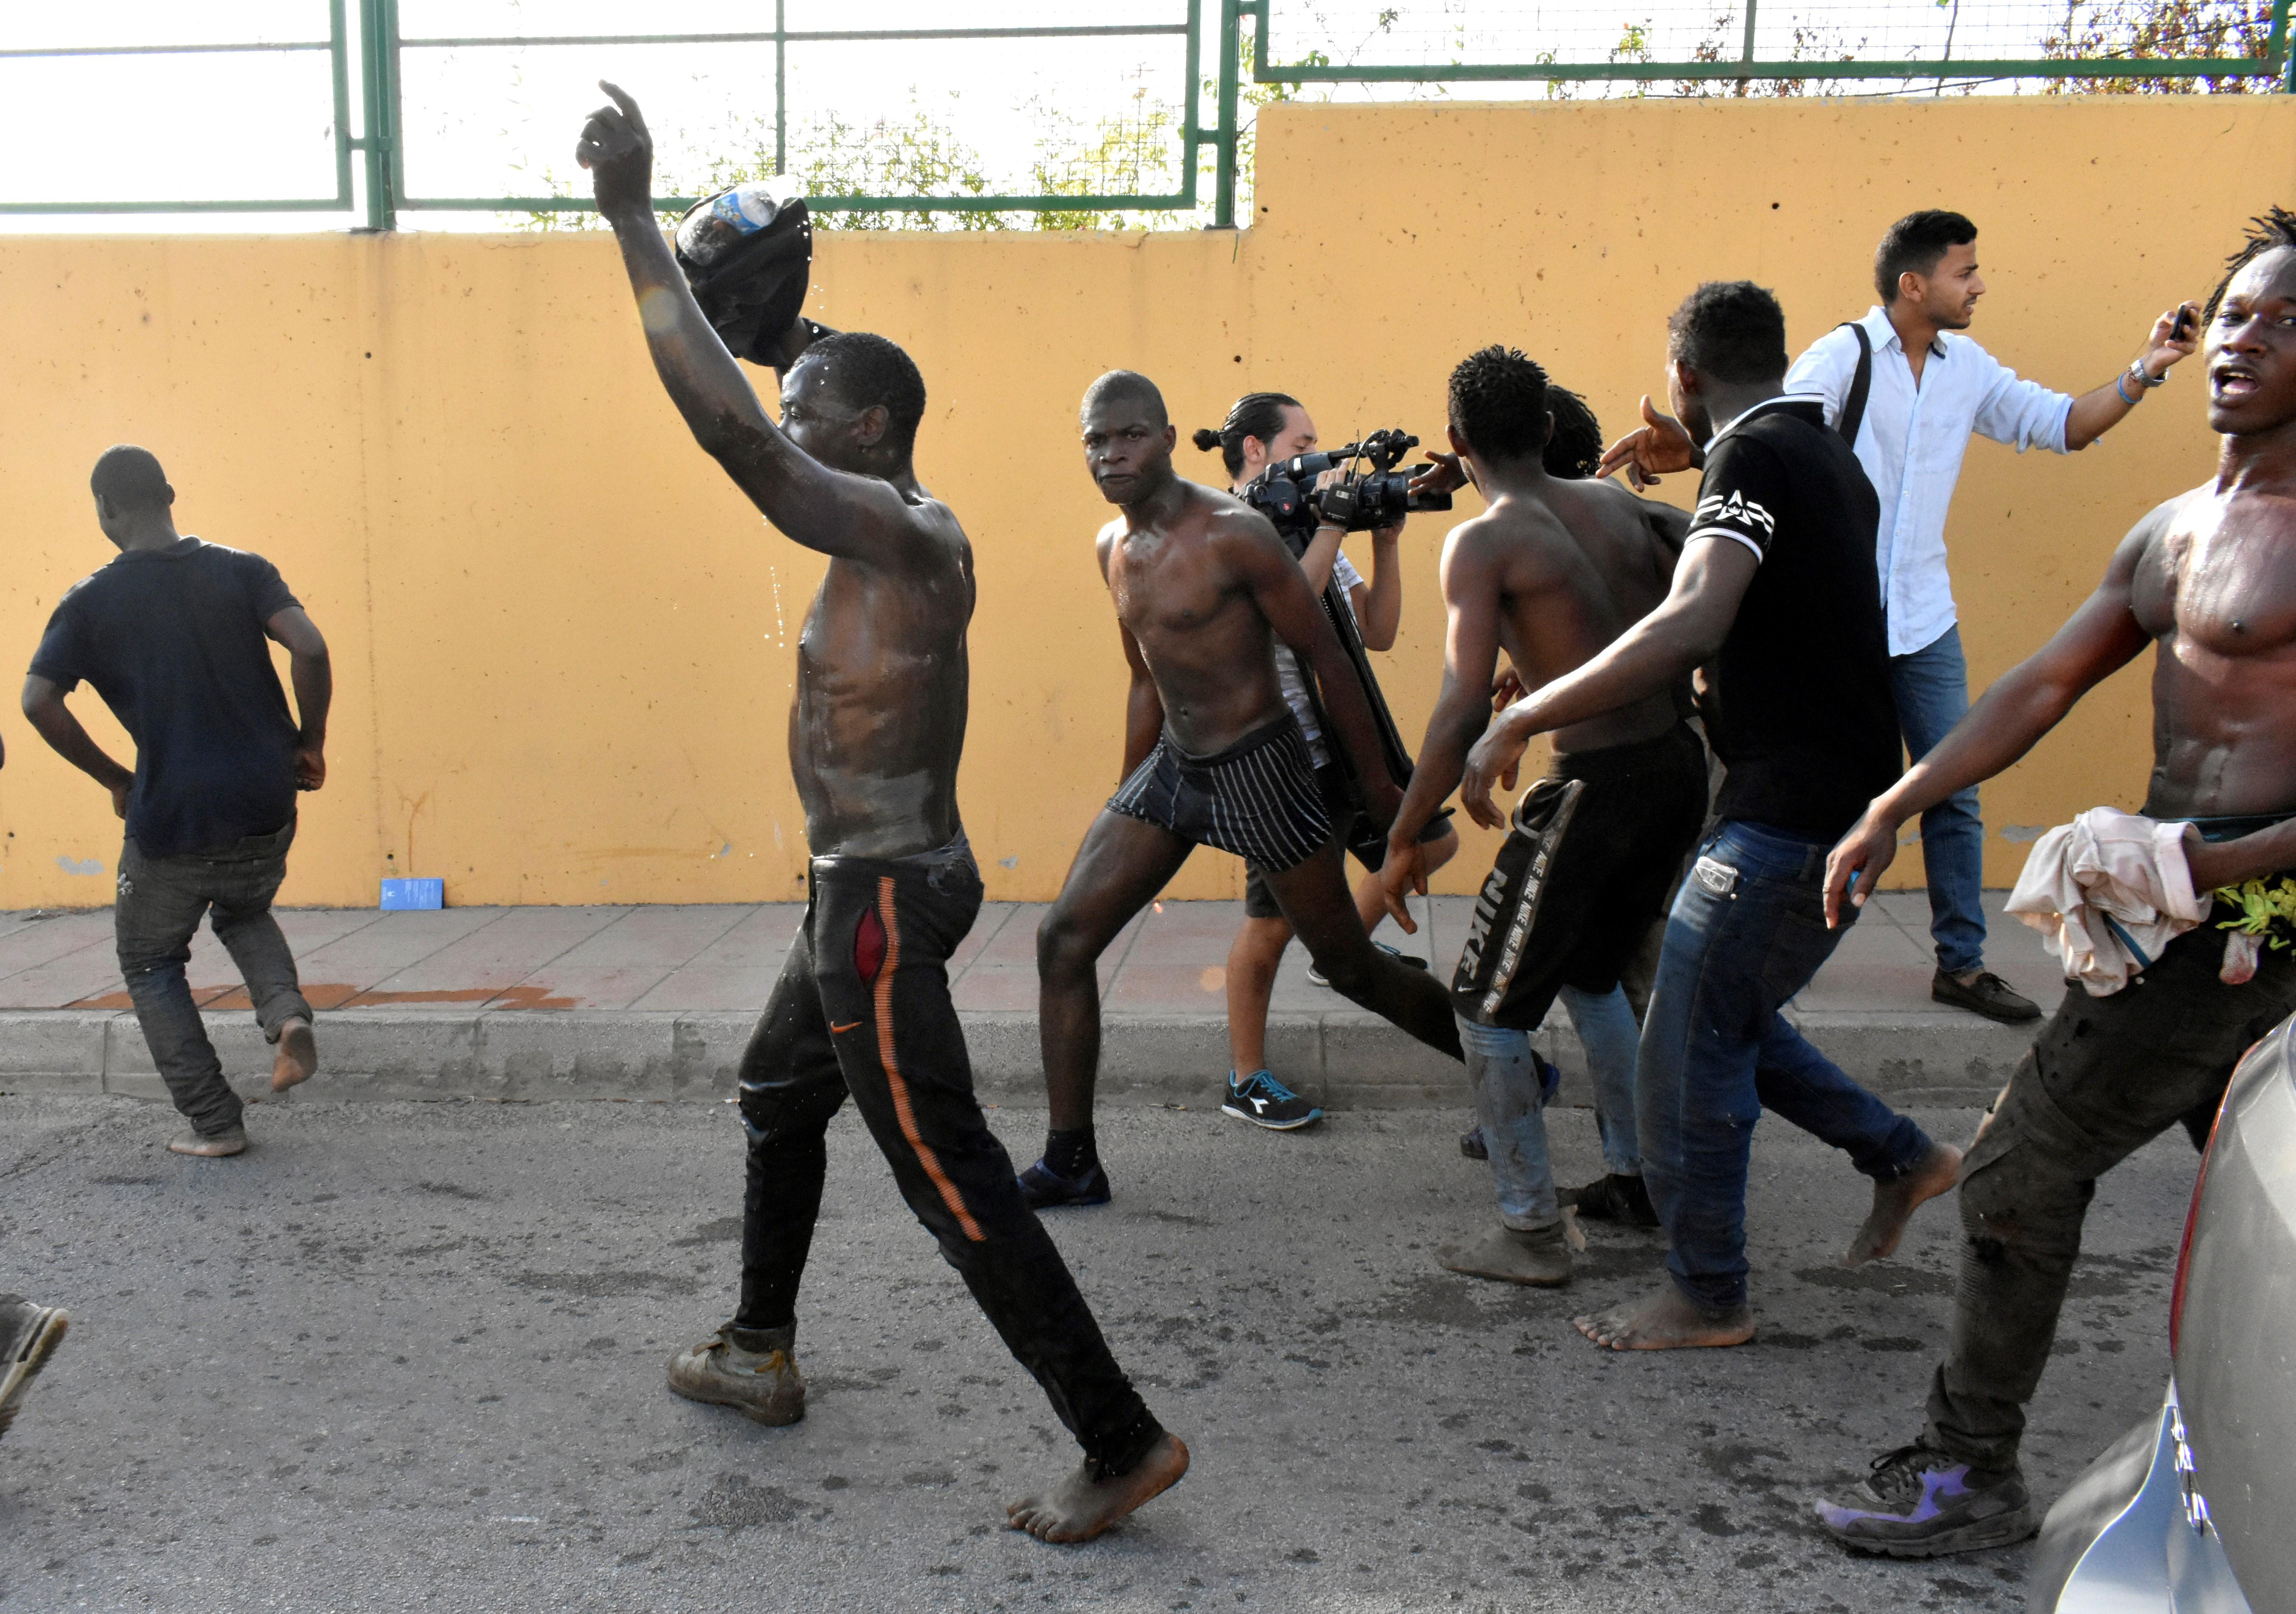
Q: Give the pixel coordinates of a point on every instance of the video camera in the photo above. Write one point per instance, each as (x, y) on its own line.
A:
(1286, 494)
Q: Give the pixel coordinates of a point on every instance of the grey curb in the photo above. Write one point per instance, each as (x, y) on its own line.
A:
(1343, 1060)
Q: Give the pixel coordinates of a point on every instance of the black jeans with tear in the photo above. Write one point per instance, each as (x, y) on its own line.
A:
(863, 1008)
(2106, 1077)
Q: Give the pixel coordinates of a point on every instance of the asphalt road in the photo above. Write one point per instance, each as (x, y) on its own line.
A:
(407, 1356)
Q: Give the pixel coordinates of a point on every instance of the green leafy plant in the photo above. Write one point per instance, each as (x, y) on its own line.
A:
(2259, 908)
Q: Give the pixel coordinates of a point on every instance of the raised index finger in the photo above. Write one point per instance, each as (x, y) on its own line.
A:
(623, 99)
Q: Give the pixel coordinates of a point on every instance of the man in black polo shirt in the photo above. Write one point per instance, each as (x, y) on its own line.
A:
(1775, 600)
(171, 633)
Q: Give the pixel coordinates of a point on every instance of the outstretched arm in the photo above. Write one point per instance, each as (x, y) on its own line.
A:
(314, 678)
(864, 517)
(1651, 656)
(2175, 336)
(1462, 710)
(45, 711)
(1658, 445)
(1280, 590)
(2024, 703)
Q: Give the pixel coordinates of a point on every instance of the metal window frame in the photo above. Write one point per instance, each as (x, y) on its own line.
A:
(390, 44)
(337, 44)
(379, 48)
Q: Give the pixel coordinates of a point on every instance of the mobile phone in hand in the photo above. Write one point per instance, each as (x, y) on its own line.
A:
(2183, 328)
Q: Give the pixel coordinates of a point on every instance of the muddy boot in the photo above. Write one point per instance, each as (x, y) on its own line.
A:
(1511, 1255)
(752, 1370)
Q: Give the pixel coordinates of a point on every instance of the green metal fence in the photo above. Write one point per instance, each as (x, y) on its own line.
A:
(338, 46)
(1919, 59)
(375, 51)
(389, 48)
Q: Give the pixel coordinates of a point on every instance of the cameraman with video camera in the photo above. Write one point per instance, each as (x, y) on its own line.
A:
(1263, 433)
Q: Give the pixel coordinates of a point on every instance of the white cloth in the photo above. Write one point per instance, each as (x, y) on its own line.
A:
(1911, 444)
(1287, 665)
(2109, 891)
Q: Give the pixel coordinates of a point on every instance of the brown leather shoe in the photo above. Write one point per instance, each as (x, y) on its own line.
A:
(1989, 995)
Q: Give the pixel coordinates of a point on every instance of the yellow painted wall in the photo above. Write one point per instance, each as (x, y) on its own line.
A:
(563, 646)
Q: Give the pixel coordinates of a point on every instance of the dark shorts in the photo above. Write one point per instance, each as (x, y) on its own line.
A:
(1258, 799)
(1363, 838)
(1594, 851)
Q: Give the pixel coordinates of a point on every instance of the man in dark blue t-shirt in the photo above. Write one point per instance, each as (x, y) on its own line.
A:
(1773, 598)
(172, 636)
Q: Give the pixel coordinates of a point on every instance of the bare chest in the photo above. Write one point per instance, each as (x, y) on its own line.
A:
(2222, 580)
(1167, 588)
(867, 629)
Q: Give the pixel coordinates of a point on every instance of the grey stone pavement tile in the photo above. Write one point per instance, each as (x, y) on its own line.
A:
(1169, 960)
(653, 1001)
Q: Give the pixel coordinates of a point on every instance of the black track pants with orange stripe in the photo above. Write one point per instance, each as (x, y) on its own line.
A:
(863, 1008)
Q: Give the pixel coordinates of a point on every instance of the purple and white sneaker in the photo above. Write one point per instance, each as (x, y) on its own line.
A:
(1919, 1503)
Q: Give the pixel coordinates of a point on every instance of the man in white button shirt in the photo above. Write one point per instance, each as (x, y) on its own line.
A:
(1927, 389)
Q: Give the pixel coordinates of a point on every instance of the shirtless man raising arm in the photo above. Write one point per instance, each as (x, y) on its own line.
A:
(1553, 571)
(1212, 755)
(862, 1006)
(2208, 582)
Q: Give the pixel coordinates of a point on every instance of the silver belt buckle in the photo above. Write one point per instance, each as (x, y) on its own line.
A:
(1719, 878)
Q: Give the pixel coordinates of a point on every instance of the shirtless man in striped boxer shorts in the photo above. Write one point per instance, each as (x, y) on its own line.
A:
(1213, 757)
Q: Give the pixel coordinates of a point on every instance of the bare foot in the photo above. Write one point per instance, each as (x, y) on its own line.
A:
(1895, 1201)
(1666, 1320)
(298, 1057)
(1080, 1507)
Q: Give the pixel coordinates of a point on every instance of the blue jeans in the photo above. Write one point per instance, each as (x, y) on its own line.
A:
(1513, 1086)
(1747, 932)
(1606, 1027)
(1932, 686)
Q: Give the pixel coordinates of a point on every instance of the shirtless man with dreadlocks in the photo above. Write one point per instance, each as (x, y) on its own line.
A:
(2205, 581)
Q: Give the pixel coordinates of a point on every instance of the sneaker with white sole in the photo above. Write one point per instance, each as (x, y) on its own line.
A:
(751, 1369)
(1265, 1102)
(1316, 975)
(28, 1336)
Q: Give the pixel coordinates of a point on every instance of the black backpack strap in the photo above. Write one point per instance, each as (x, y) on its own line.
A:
(1853, 408)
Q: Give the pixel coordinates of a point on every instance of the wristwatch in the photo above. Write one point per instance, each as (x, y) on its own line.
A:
(2137, 373)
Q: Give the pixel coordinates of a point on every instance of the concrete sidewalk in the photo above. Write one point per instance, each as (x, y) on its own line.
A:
(657, 1003)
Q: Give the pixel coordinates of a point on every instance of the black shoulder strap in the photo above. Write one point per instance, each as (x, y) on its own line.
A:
(1853, 408)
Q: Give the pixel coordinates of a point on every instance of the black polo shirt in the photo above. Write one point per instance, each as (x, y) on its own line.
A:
(173, 641)
(1798, 702)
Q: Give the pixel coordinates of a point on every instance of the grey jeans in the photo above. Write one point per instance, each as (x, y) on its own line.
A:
(2106, 1077)
(161, 900)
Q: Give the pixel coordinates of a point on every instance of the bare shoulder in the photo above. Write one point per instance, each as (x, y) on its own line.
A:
(940, 536)
(1104, 541)
(2158, 528)
(1232, 525)
(1508, 530)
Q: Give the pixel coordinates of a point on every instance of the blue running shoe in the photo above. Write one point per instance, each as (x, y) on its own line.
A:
(1265, 1102)
(1919, 1503)
(1046, 1189)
